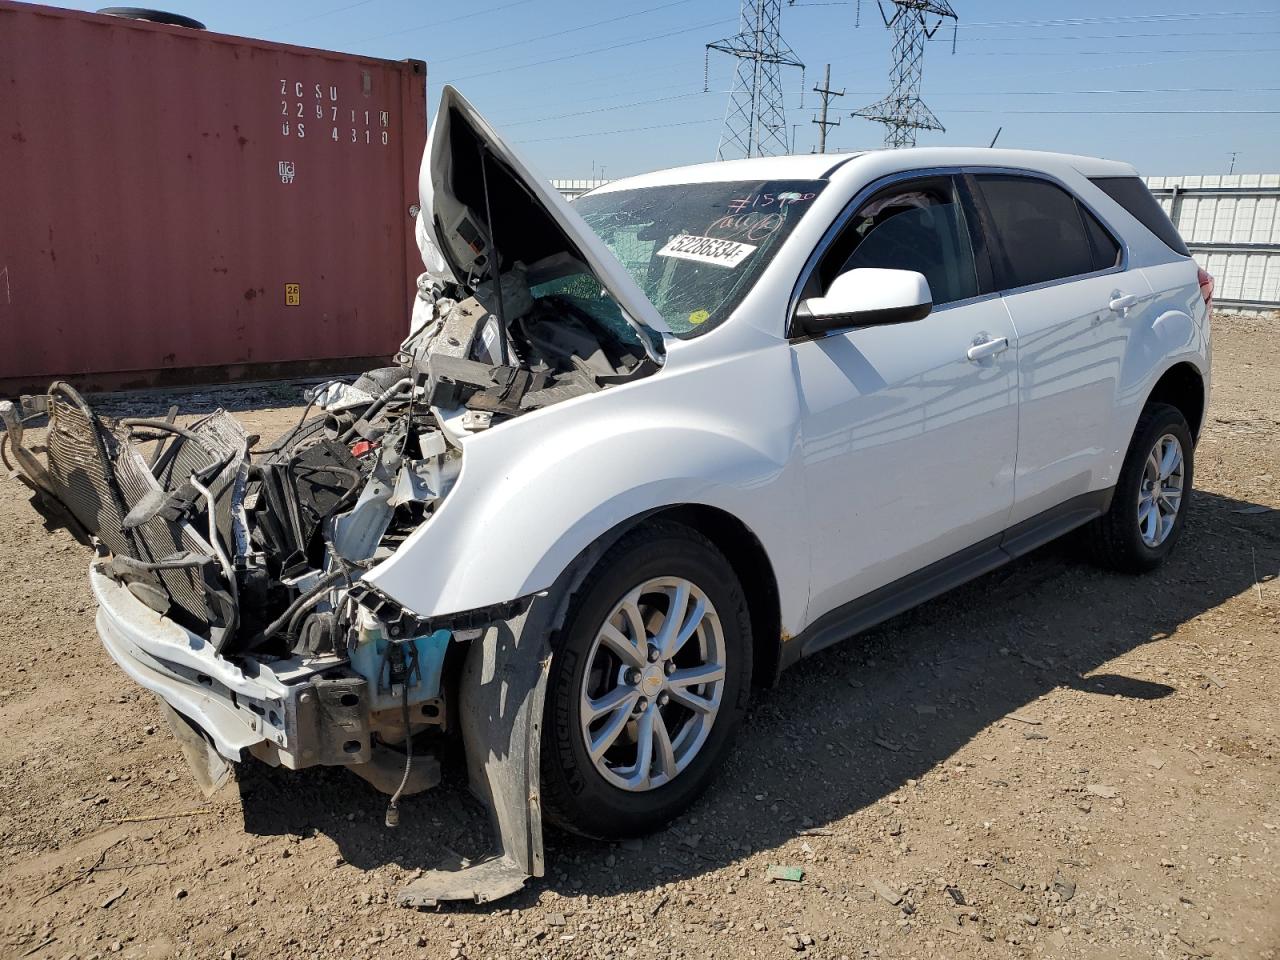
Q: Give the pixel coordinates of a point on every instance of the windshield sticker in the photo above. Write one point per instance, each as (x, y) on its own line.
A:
(723, 253)
(699, 316)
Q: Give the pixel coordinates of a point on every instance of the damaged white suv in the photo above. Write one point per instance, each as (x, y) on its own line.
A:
(636, 455)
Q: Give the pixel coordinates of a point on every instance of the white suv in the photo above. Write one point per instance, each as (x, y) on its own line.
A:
(710, 420)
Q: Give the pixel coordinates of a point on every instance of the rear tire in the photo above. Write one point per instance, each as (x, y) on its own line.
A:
(1149, 507)
(688, 726)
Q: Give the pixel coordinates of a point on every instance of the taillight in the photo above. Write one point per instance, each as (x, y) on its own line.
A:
(1206, 285)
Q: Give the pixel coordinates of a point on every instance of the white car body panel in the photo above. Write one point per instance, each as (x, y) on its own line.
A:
(693, 433)
(895, 420)
(775, 434)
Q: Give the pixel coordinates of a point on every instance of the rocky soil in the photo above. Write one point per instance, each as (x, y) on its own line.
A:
(1052, 761)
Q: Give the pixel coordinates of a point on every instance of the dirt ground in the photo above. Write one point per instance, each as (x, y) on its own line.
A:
(1052, 761)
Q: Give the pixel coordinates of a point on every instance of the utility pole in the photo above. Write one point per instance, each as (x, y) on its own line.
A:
(827, 95)
(1234, 154)
(755, 122)
(902, 111)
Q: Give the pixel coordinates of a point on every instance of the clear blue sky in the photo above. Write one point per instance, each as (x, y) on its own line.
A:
(1172, 86)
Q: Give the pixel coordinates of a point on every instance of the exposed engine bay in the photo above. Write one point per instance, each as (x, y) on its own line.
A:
(229, 572)
(257, 547)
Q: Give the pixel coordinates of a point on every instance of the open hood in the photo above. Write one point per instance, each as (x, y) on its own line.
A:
(483, 203)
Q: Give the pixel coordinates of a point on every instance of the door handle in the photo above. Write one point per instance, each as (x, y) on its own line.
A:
(1122, 303)
(987, 348)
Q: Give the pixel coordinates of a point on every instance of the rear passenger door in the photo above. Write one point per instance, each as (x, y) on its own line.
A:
(1061, 273)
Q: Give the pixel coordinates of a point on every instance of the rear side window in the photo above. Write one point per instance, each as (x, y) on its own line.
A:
(1044, 231)
(1106, 251)
(1132, 194)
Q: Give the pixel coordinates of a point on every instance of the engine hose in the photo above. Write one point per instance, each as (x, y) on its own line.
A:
(377, 405)
(312, 596)
(164, 426)
(295, 621)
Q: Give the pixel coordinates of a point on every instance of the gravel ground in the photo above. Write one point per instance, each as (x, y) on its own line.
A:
(1052, 761)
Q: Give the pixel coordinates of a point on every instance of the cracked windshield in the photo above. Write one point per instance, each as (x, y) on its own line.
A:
(695, 249)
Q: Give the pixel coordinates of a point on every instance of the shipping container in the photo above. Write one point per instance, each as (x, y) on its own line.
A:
(180, 206)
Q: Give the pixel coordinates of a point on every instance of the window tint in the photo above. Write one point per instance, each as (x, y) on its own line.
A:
(1132, 194)
(1106, 251)
(1041, 228)
(917, 226)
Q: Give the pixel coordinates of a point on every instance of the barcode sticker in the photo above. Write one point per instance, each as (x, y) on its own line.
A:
(722, 253)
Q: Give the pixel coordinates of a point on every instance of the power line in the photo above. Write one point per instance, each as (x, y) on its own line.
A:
(560, 33)
(1121, 113)
(1123, 90)
(1109, 53)
(609, 133)
(1108, 36)
(319, 16)
(584, 53)
(1129, 18)
(609, 109)
(633, 104)
(434, 24)
(1151, 113)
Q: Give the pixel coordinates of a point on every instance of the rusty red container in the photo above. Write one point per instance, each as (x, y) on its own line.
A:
(181, 206)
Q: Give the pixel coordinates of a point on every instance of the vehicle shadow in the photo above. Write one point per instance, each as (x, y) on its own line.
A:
(851, 725)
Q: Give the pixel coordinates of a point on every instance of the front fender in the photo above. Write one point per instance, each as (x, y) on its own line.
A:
(536, 491)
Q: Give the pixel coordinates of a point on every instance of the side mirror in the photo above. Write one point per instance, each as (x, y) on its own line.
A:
(864, 297)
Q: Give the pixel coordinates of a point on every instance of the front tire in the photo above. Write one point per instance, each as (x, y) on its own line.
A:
(649, 681)
(1149, 507)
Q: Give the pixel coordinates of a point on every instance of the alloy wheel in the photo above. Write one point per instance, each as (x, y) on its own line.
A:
(1160, 491)
(653, 684)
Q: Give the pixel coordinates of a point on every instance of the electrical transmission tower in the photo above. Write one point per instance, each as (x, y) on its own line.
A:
(902, 111)
(755, 123)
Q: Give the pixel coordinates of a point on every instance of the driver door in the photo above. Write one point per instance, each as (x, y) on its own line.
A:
(908, 445)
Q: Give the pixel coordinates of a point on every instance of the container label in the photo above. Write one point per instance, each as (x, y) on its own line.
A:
(318, 104)
(292, 294)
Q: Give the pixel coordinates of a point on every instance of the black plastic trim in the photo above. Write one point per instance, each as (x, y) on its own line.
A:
(838, 164)
(857, 321)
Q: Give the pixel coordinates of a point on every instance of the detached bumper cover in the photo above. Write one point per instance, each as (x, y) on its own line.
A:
(289, 712)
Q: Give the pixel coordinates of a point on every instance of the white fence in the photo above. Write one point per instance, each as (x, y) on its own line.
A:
(1232, 225)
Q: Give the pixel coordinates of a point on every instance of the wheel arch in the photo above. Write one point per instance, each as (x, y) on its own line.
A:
(747, 558)
(751, 565)
(1182, 386)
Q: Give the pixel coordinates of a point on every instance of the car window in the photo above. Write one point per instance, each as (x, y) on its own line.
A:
(1105, 247)
(914, 226)
(1042, 229)
(583, 291)
(1132, 194)
(696, 249)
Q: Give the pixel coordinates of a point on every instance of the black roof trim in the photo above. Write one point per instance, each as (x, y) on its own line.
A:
(839, 163)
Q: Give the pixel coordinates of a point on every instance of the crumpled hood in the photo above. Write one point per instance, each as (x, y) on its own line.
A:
(480, 199)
